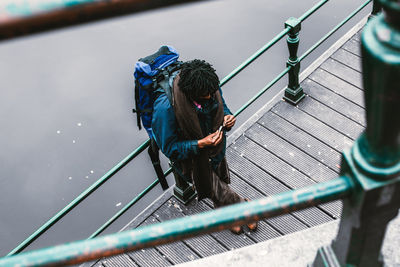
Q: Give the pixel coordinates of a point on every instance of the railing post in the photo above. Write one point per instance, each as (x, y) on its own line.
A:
(293, 93)
(376, 8)
(373, 162)
(183, 191)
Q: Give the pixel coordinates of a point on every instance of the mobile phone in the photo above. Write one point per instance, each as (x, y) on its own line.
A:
(220, 128)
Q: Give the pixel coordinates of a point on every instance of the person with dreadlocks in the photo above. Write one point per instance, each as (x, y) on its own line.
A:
(188, 131)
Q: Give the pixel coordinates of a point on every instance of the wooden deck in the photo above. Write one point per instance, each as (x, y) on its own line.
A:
(287, 148)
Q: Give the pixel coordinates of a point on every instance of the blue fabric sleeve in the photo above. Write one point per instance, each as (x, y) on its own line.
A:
(226, 109)
(165, 131)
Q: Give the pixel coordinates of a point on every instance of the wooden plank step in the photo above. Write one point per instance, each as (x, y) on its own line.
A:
(330, 117)
(343, 72)
(177, 252)
(278, 168)
(353, 46)
(244, 189)
(334, 208)
(253, 174)
(281, 170)
(301, 139)
(149, 256)
(334, 101)
(314, 127)
(264, 231)
(316, 170)
(200, 244)
(348, 59)
(251, 193)
(118, 261)
(312, 216)
(338, 86)
(290, 154)
(285, 224)
(226, 238)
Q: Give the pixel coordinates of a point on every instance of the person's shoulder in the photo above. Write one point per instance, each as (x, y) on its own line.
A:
(162, 103)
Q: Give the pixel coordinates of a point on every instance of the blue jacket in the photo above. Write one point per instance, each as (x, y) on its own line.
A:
(166, 131)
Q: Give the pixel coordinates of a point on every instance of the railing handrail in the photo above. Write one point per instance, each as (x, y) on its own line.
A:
(145, 144)
(177, 229)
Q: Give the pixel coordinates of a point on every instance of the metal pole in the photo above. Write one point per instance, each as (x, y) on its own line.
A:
(293, 93)
(374, 161)
(183, 190)
(167, 232)
(19, 18)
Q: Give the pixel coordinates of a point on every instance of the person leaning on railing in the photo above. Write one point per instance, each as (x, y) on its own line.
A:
(191, 132)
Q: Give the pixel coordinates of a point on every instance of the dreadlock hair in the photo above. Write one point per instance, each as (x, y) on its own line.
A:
(198, 78)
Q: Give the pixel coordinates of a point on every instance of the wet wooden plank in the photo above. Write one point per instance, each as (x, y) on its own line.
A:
(353, 46)
(253, 174)
(307, 217)
(314, 127)
(330, 117)
(200, 244)
(334, 208)
(312, 216)
(226, 238)
(118, 261)
(284, 172)
(301, 139)
(279, 169)
(347, 58)
(338, 86)
(286, 225)
(334, 101)
(290, 154)
(176, 252)
(150, 256)
(343, 72)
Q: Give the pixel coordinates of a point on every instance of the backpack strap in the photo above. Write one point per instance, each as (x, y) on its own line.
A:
(165, 80)
(137, 110)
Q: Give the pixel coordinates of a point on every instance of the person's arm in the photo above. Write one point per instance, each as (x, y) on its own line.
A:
(226, 109)
(229, 119)
(164, 127)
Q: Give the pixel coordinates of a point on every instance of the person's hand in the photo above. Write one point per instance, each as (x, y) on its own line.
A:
(210, 140)
(229, 121)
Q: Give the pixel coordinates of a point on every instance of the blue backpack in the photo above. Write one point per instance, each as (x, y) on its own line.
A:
(152, 73)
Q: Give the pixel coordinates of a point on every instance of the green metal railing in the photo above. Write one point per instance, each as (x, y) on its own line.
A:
(143, 146)
(215, 220)
(369, 181)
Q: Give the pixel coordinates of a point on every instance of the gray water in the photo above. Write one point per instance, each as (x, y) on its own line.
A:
(66, 98)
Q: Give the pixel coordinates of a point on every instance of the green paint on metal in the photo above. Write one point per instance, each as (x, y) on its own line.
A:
(258, 53)
(262, 91)
(172, 230)
(373, 163)
(312, 10)
(293, 92)
(323, 39)
(25, 8)
(381, 65)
